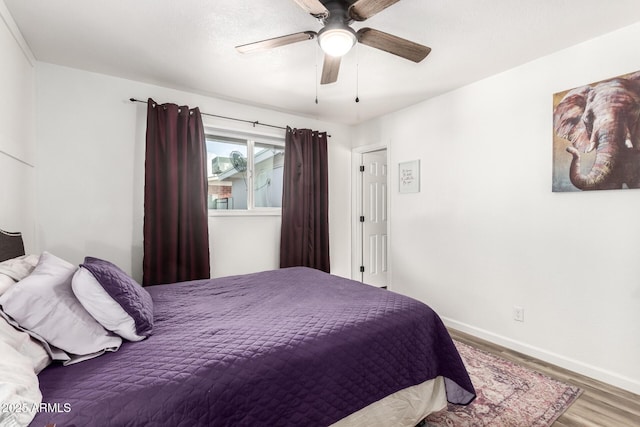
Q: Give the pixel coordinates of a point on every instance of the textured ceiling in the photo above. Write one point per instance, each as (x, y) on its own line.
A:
(189, 45)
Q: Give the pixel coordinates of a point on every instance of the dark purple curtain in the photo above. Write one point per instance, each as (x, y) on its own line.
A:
(176, 232)
(304, 236)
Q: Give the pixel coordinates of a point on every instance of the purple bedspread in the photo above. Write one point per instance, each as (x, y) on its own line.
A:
(292, 347)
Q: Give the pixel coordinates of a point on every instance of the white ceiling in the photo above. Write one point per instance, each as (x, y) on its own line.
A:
(189, 45)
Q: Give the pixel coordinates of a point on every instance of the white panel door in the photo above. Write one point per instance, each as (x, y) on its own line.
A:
(374, 218)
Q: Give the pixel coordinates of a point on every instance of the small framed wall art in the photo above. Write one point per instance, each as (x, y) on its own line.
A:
(409, 176)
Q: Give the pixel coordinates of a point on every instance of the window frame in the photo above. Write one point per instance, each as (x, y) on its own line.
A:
(251, 138)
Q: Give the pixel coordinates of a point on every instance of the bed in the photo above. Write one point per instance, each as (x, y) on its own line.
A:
(289, 347)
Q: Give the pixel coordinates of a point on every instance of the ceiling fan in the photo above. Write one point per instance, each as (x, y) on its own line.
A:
(336, 37)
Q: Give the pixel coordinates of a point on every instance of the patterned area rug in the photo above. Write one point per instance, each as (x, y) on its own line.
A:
(508, 395)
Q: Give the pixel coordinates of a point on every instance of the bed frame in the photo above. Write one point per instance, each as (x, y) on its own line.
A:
(11, 245)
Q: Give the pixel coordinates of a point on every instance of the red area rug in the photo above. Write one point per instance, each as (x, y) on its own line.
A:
(508, 395)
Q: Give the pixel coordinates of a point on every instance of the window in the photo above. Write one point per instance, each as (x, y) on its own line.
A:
(244, 172)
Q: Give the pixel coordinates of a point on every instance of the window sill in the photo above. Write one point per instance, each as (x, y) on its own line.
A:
(252, 212)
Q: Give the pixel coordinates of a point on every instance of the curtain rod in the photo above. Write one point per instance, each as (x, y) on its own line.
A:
(254, 123)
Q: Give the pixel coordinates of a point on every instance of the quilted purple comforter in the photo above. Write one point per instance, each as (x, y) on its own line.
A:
(292, 347)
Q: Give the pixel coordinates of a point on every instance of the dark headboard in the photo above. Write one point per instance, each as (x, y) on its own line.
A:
(11, 245)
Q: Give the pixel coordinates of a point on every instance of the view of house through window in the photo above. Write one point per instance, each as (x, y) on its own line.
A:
(244, 173)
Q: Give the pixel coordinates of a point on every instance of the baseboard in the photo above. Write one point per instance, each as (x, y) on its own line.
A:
(564, 362)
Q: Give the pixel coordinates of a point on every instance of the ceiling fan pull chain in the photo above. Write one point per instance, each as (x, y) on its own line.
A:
(357, 74)
(316, 79)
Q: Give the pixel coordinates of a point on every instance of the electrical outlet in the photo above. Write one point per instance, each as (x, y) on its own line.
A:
(518, 313)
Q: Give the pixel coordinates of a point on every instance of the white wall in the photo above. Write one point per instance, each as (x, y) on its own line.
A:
(91, 174)
(17, 132)
(486, 233)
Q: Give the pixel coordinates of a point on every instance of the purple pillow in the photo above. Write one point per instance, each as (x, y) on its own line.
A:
(133, 298)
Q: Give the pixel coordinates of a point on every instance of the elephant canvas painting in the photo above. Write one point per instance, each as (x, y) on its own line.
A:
(596, 144)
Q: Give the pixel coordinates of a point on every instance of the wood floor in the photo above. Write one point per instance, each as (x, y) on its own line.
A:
(600, 404)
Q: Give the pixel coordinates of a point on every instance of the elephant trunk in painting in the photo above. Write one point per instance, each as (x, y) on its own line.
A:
(604, 118)
(601, 173)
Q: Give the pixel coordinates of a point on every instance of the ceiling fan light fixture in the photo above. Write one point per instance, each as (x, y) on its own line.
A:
(337, 41)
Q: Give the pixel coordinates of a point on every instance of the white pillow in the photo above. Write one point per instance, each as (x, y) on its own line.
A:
(19, 389)
(53, 352)
(44, 303)
(20, 267)
(16, 269)
(5, 283)
(25, 345)
(102, 307)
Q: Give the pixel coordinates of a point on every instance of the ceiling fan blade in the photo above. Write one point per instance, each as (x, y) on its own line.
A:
(393, 44)
(330, 69)
(314, 7)
(276, 42)
(364, 9)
